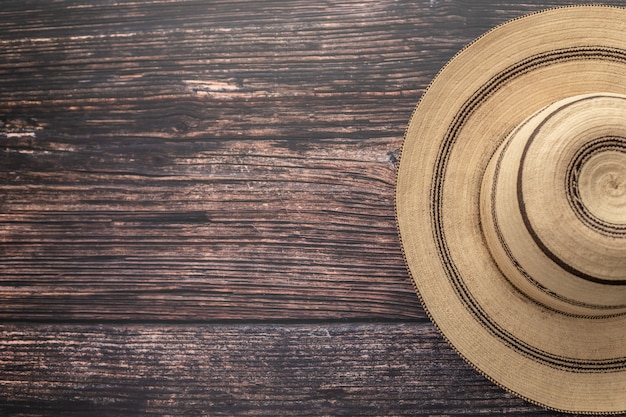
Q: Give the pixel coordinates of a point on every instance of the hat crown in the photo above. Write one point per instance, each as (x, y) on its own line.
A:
(553, 205)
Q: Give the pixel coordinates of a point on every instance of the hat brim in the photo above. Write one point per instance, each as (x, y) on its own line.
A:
(560, 361)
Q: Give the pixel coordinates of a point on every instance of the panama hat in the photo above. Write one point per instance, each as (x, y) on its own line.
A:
(511, 206)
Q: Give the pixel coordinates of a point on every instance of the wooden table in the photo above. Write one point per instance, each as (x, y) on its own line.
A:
(196, 208)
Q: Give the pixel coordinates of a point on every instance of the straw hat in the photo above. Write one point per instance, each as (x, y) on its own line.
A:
(511, 206)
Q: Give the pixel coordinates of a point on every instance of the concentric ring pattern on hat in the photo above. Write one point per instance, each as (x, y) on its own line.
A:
(511, 206)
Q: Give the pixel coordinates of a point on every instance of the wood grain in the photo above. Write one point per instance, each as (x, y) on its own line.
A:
(175, 160)
(263, 370)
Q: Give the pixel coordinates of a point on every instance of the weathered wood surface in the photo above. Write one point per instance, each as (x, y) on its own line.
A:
(167, 166)
(262, 370)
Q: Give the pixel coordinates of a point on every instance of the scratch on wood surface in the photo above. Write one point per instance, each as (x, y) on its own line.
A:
(206, 87)
(19, 127)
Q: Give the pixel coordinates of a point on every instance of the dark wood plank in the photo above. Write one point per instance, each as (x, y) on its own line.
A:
(226, 230)
(177, 160)
(262, 370)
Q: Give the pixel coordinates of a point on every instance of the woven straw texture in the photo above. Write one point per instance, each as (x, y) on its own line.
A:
(511, 206)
